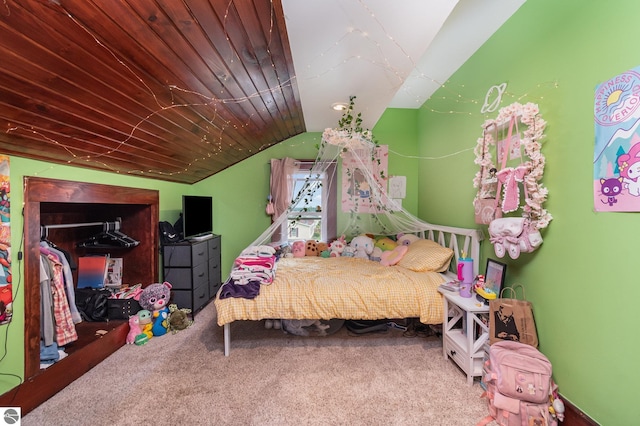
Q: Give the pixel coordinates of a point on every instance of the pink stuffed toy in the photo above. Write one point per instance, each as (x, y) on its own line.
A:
(392, 257)
(298, 249)
(134, 329)
(337, 247)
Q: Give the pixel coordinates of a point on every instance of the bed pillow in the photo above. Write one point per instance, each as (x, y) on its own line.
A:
(426, 255)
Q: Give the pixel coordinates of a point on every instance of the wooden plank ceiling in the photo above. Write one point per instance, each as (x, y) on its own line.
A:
(176, 90)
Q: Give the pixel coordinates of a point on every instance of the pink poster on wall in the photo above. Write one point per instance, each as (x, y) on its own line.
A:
(6, 293)
(616, 160)
(364, 179)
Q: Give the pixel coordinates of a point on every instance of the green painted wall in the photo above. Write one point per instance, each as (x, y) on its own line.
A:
(398, 129)
(554, 53)
(239, 197)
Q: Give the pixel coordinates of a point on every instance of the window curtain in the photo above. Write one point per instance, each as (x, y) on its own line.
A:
(281, 186)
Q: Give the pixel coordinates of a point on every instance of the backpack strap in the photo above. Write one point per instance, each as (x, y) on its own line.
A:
(485, 421)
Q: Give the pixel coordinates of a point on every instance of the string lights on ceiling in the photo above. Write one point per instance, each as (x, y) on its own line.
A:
(217, 125)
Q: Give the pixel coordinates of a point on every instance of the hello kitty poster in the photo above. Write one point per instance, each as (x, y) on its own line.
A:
(616, 160)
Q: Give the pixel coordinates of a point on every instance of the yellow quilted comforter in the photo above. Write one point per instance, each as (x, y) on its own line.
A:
(340, 287)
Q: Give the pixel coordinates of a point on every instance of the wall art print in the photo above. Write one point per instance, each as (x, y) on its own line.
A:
(616, 160)
(6, 291)
(364, 181)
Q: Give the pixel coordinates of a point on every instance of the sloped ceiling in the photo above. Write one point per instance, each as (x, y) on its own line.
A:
(179, 90)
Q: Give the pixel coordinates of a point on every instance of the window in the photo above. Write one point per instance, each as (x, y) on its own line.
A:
(314, 217)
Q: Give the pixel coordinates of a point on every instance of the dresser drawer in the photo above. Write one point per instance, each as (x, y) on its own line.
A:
(456, 353)
(213, 246)
(187, 278)
(200, 296)
(185, 255)
(182, 298)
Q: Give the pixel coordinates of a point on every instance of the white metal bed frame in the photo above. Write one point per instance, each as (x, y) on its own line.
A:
(452, 237)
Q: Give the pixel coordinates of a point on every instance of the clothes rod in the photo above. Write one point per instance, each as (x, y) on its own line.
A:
(80, 225)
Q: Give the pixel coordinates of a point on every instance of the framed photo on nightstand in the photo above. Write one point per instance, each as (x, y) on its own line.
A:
(494, 276)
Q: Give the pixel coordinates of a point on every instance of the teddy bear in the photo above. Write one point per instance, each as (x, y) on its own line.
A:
(363, 246)
(311, 248)
(155, 298)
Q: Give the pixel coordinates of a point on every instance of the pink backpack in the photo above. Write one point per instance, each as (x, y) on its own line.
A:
(519, 386)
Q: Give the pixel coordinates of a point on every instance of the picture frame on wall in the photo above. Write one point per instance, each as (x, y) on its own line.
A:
(494, 276)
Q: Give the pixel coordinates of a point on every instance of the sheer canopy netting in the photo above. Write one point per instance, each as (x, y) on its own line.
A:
(387, 217)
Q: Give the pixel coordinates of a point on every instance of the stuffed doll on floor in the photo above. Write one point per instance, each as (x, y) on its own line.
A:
(155, 299)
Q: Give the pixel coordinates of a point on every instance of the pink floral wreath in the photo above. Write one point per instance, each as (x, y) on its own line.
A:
(529, 115)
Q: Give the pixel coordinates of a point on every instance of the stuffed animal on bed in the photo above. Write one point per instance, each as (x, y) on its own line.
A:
(311, 248)
(323, 249)
(385, 244)
(155, 298)
(348, 251)
(363, 246)
(392, 257)
(337, 247)
(406, 239)
(285, 251)
(298, 249)
(376, 254)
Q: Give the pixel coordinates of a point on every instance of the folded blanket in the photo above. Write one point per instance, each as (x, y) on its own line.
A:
(246, 276)
(267, 262)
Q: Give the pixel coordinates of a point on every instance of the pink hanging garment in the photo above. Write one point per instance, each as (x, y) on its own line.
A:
(510, 177)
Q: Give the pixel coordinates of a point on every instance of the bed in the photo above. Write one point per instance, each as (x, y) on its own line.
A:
(353, 288)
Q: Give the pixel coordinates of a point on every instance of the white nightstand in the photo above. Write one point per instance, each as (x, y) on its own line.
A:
(465, 329)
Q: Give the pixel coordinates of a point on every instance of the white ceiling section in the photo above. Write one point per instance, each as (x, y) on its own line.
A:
(386, 53)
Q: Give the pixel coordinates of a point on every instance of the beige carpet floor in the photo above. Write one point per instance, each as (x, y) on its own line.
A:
(271, 378)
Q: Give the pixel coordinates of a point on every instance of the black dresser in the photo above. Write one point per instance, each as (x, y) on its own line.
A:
(193, 269)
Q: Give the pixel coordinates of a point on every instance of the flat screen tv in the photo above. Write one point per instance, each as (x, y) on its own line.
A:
(197, 217)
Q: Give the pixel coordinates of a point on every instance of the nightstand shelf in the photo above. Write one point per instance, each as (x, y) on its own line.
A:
(464, 333)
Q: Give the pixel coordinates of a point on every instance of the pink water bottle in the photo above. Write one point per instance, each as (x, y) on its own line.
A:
(465, 275)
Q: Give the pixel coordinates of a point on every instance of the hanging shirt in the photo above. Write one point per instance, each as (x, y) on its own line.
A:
(47, 323)
(68, 279)
(65, 329)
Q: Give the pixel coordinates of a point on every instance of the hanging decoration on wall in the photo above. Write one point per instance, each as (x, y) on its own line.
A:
(616, 159)
(493, 98)
(6, 291)
(357, 194)
(519, 163)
